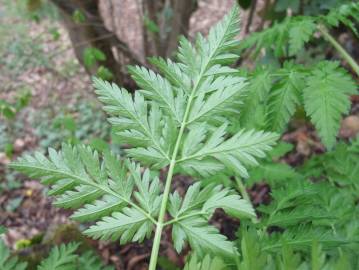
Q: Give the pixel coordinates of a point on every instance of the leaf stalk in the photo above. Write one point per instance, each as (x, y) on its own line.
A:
(353, 64)
(166, 192)
(245, 195)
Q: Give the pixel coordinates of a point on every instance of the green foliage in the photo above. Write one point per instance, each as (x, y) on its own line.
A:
(180, 123)
(9, 110)
(323, 90)
(252, 256)
(8, 262)
(284, 97)
(89, 261)
(201, 117)
(191, 214)
(309, 223)
(104, 73)
(283, 5)
(2, 230)
(150, 25)
(61, 257)
(92, 55)
(252, 110)
(326, 99)
(207, 263)
(345, 14)
(34, 10)
(292, 33)
(288, 37)
(78, 16)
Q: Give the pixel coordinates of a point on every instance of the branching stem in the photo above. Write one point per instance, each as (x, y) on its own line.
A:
(245, 195)
(161, 217)
(183, 217)
(242, 189)
(166, 192)
(339, 48)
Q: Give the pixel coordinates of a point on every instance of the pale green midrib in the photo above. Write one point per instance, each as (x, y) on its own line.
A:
(211, 243)
(83, 212)
(84, 181)
(70, 199)
(190, 208)
(198, 116)
(144, 128)
(160, 221)
(222, 151)
(178, 219)
(109, 227)
(164, 99)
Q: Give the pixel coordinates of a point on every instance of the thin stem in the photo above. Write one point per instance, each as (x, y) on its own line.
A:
(160, 225)
(160, 221)
(245, 195)
(339, 48)
(242, 189)
(217, 150)
(183, 217)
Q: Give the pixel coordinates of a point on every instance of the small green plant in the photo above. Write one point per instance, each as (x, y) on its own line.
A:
(60, 258)
(321, 89)
(288, 38)
(9, 110)
(208, 120)
(176, 122)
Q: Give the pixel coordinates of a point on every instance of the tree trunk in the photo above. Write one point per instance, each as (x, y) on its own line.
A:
(172, 18)
(92, 33)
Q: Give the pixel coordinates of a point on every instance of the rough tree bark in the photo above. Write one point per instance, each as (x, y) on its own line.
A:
(93, 33)
(172, 18)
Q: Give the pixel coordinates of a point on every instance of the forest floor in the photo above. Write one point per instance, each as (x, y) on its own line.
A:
(62, 107)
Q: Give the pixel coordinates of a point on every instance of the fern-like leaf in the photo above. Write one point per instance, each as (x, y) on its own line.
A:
(302, 237)
(300, 32)
(157, 88)
(234, 153)
(8, 262)
(136, 123)
(207, 263)
(326, 99)
(102, 207)
(191, 216)
(129, 202)
(90, 261)
(203, 238)
(347, 14)
(129, 224)
(252, 256)
(284, 97)
(61, 258)
(252, 111)
(178, 119)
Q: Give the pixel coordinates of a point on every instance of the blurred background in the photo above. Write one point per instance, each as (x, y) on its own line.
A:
(49, 49)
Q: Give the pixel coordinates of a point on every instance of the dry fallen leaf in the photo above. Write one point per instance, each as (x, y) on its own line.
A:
(4, 160)
(350, 127)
